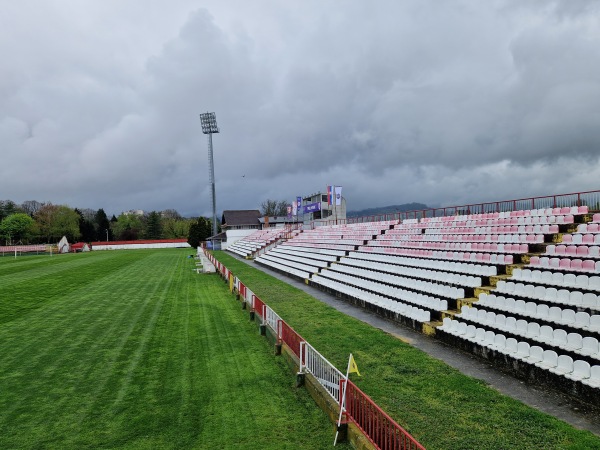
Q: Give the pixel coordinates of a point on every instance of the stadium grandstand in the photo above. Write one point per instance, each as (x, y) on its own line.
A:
(515, 282)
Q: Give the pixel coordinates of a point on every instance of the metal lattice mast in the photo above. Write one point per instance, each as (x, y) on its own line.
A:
(209, 126)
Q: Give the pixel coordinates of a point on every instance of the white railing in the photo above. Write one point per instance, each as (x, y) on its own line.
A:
(326, 374)
(272, 319)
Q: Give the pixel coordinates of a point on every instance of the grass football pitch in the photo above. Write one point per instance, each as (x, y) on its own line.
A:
(133, 349)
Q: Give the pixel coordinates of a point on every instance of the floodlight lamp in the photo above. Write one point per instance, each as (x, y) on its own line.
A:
(209, 123)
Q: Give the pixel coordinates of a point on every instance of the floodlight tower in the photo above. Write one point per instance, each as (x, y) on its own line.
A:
(209, 126)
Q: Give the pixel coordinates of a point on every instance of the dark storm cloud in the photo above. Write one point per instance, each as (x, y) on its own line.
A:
(397, 101)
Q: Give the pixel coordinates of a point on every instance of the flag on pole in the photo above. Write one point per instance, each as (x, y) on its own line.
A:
(352, 367)
(338, 195)
(330, 195)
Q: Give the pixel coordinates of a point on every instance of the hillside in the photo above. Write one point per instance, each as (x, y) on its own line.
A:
(387, 209)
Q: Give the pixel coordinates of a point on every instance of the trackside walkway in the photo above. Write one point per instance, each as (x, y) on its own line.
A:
(553, 403)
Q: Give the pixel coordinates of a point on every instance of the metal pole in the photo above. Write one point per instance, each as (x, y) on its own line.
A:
(211, 164)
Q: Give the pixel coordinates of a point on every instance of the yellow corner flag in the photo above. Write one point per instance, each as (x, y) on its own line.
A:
(352, 367)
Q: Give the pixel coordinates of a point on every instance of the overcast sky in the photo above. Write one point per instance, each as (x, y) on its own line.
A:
(439, 102)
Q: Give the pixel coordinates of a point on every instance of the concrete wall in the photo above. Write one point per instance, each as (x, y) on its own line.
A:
(234, 236)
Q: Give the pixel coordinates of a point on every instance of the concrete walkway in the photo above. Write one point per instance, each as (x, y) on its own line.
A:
(550, 402)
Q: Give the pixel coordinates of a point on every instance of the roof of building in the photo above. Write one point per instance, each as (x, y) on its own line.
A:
(240, 217)
(279, 219)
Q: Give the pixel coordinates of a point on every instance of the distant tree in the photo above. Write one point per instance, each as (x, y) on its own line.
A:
(86, 228)
(128, 227)
(170, 214)
(16, 227)
(274, 208)
(55, 221)
(102, 226)
(31, 207)
(89, 214)
(199, 231)
(8, 207)
(153, 226)
(175, 228)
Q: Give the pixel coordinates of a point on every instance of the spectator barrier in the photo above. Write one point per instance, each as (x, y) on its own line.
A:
(379, 428)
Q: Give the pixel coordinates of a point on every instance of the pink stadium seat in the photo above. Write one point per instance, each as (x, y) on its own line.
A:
(563, 263)
(588, 265)
(534, 261)
(592, 228)
(565, 210)
(560, 250)
(567, 238)
(571, 251)
(583, 251)
(577, 265)
(587, 239)
(596, 218)
(555, 211)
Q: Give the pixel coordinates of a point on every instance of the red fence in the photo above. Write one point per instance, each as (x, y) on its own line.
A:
(289, 336)
(23, 248)
(259, 306)
(377, 426)
(588, 198)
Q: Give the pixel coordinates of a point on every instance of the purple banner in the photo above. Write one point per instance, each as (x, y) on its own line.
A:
(312, 207)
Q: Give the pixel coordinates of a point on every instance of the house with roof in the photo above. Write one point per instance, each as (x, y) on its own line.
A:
(237, 224)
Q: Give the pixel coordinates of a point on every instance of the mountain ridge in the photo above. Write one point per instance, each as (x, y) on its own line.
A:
(391, 209)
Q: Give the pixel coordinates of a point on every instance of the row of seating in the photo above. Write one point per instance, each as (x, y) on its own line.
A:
(510, 222)
(581, 239)
(589, 227)
(306, 268)
(382, 269)
(339, 235)
(284, 268)
(500, 229)
(485, 258)
(575, 251)
(302, 258)
(549, 294)
(456, 246)
(321, 251)
(555, 211)
(293, 252)
(433, 264)
(578, 370)
(540, 311)
(565, 264)
(566, 280)
(512, 238)
(310, 243)
(555, 338)
(385, 279)
(404, 295)
(397, 307)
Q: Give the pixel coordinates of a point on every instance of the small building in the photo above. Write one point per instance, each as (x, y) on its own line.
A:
(316, 208)
(63, 245)
(80, 247)
(237, 224)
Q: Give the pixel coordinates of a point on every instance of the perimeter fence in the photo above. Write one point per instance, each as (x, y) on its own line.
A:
(377, 426)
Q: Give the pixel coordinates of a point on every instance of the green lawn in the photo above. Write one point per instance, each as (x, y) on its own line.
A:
(133, 349)
(441, 407)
